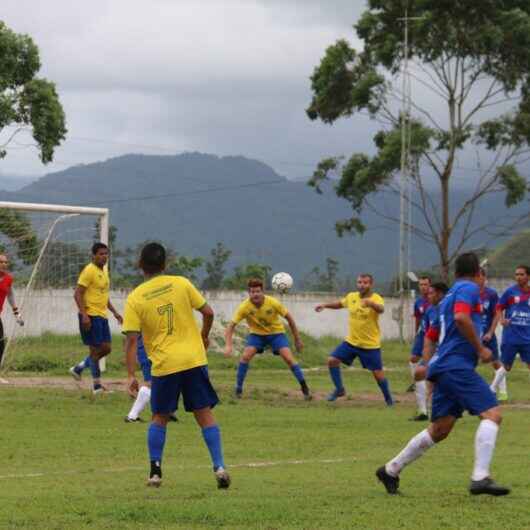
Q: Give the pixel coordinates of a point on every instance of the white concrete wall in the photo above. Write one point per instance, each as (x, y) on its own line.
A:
(55, 311)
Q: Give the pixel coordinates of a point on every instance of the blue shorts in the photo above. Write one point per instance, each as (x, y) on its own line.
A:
(417, 346)
(98, 333)
(459, 390)
(510, 351)
(143, 360)
(194, 385)
(493, 346)
(370, 358)
(275, 342)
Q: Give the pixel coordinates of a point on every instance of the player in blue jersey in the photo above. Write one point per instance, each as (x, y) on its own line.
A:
(489, 300)
(457, 386)
(513, 312)
(421, 305)
(429, 323)
(143, 396)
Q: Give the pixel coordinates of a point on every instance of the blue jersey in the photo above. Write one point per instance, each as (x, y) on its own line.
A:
(454, 351)
(432, 318)
(489, 300)
(421, 306)
(516, 305)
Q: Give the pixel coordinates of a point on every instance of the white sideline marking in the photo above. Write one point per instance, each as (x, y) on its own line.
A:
(128, 469)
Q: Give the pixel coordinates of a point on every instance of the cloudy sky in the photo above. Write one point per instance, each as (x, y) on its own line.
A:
(166, 76)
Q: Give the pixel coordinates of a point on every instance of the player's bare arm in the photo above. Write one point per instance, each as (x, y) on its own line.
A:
(330, 305)
(12, 302)
(229, 334)
(378, 308)
(117, 316)
(294, 330)
(79, 297)
(466, 328)
(131, 346)
(207, 321)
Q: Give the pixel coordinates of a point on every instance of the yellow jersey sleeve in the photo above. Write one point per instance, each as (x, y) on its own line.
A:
(344, 301)
(240, 313)
(279, 307)
(378, 299)
(86, 277)
(197, 300)
(131, 319)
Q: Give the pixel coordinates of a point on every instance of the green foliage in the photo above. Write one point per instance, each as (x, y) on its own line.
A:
(516, 251)
(26, 100)
(215, 271)
(326, 281)
(16, 227)
(242, 274)
(514, 184)
(184, 266)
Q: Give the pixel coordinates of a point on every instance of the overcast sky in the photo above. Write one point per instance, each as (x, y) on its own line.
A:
(166, 76)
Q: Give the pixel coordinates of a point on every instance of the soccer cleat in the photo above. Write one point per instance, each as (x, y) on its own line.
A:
(222, 478)
(173, 417)
(100, 389)
(411, 388)
(155, 475)
(76, 374)
(306, 391)
(238, 392)
(487, 486)
(389, 482)
(336, 394)
(502, 396)
(133, 420)
(419, 417)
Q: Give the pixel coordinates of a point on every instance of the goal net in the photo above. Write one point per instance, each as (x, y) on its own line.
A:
(47, 246)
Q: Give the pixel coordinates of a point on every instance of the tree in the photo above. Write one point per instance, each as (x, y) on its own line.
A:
(27, 101)
(473, 59)
(323, 281)
(16, 227)
(242, 274)
(215, 271)
(184, 266)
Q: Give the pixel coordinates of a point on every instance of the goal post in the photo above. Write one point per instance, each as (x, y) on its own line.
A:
(48, 245)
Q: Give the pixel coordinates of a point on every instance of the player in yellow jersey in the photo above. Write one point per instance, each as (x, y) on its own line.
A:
(264, 317)
(161, 310)
(364, 338)
(92, 299)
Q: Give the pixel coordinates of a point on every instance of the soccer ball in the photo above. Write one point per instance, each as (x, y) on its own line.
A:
(282, 282)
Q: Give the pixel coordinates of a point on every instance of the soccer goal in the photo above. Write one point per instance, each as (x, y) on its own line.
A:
(47, 246)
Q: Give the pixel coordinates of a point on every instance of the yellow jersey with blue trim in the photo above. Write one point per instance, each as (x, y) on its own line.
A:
(162, 310)
(364, 329)
(96, 282)
(262, 320)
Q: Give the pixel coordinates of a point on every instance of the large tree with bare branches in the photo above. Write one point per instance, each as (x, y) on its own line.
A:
(473, 59)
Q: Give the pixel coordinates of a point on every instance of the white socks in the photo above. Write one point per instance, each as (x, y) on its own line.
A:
(499, 381)
(412, 367)
(414, 449)
(142, 399)
(484, 447)
(421, 397)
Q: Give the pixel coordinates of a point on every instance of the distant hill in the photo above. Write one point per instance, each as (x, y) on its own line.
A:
(194, 200)
(516, 251)
(8, 183)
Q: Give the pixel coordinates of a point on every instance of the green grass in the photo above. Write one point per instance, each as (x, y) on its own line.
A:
(69, 461)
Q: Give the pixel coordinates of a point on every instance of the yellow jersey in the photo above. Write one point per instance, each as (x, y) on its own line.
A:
(262, 320)
(162, 310)
(96, 281)
(363, 322)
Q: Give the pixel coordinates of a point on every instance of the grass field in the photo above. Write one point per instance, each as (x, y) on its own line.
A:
(69, 461)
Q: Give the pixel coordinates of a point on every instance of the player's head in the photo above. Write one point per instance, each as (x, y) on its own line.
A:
(4, 263)
(365, 282)
(436, 292)
(423, 285)
(153, 259)
(255, 290)
(522, 272)
(482, 277)
(467, 266)
(100, 254)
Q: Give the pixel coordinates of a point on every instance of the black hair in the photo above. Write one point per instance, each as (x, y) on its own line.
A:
(440, 287)
(424, 277)
(153, 258)
(467, 265)
(98, 246)
(524, 267)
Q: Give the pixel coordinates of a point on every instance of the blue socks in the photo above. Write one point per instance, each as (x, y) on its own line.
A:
(212, 438)
(242, 370)
(85, 363)
(336, 377)
(297, 372)
(94, 369)
(156, 438)
(383, 385)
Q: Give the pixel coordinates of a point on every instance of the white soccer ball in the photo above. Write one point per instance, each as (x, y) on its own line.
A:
(282, 282)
